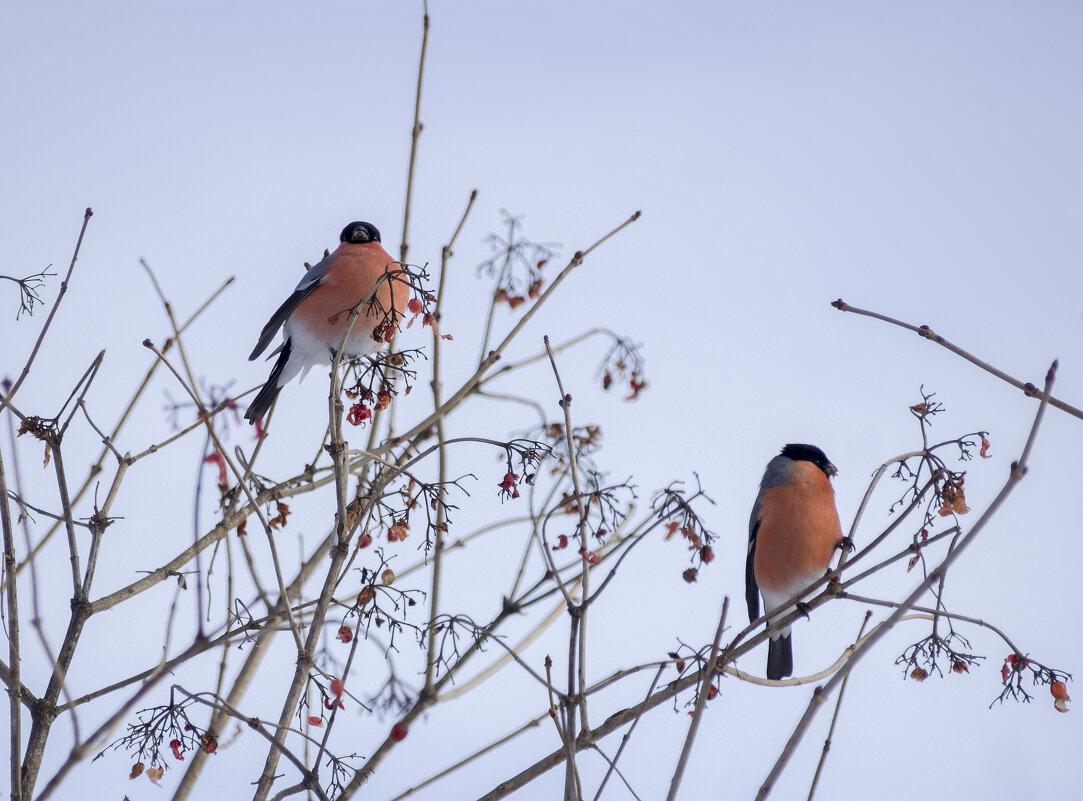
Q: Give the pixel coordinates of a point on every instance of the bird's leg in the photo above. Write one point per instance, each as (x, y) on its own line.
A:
(845, 544)
(803, 608)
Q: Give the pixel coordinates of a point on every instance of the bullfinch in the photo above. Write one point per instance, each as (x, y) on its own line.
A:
(792, 534)
(313, 319)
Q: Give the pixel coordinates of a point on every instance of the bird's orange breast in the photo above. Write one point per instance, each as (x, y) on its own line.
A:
(798, 533)
(350, 276)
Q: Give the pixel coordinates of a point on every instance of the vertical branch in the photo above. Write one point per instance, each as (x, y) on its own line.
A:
(15, 685)
(339, 450)
(571, 771)
(404, 247)
(701, 703)
(69, 523)
(45, 711)
(414, 136)
(441, 514)
(577, 647)
(98, 523)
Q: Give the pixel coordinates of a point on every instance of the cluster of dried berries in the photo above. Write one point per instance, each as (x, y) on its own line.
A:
(953, 501)
(1013, 671)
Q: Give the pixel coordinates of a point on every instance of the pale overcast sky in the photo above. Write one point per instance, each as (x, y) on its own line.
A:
(922, 160)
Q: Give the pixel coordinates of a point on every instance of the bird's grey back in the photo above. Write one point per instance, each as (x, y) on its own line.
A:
(776, 474)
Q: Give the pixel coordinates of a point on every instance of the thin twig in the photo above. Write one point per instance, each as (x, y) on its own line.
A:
(628, 734)
(543, 354)
(415, 134)
(200, 408)
(79, 391)
(925, 332)
(52, 313)
(530, 724)
(932, 614)
(834, 718)
(614, 769)
(441, 437)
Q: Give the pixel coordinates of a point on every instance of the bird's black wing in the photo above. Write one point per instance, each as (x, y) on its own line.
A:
(752, 590)
(262, 402)
(312, 279)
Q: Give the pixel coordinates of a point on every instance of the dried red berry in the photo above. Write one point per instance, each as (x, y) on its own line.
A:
(216, 458)
(358, 414)
(590, 557)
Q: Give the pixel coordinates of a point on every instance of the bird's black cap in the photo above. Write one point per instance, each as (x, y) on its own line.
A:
(809, 453)
(358, 233)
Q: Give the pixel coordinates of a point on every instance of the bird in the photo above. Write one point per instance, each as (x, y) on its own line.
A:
(793, 532)
(314, 318)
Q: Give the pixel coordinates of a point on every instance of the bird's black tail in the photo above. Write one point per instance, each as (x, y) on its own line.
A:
(780, 658)
(266, 396)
